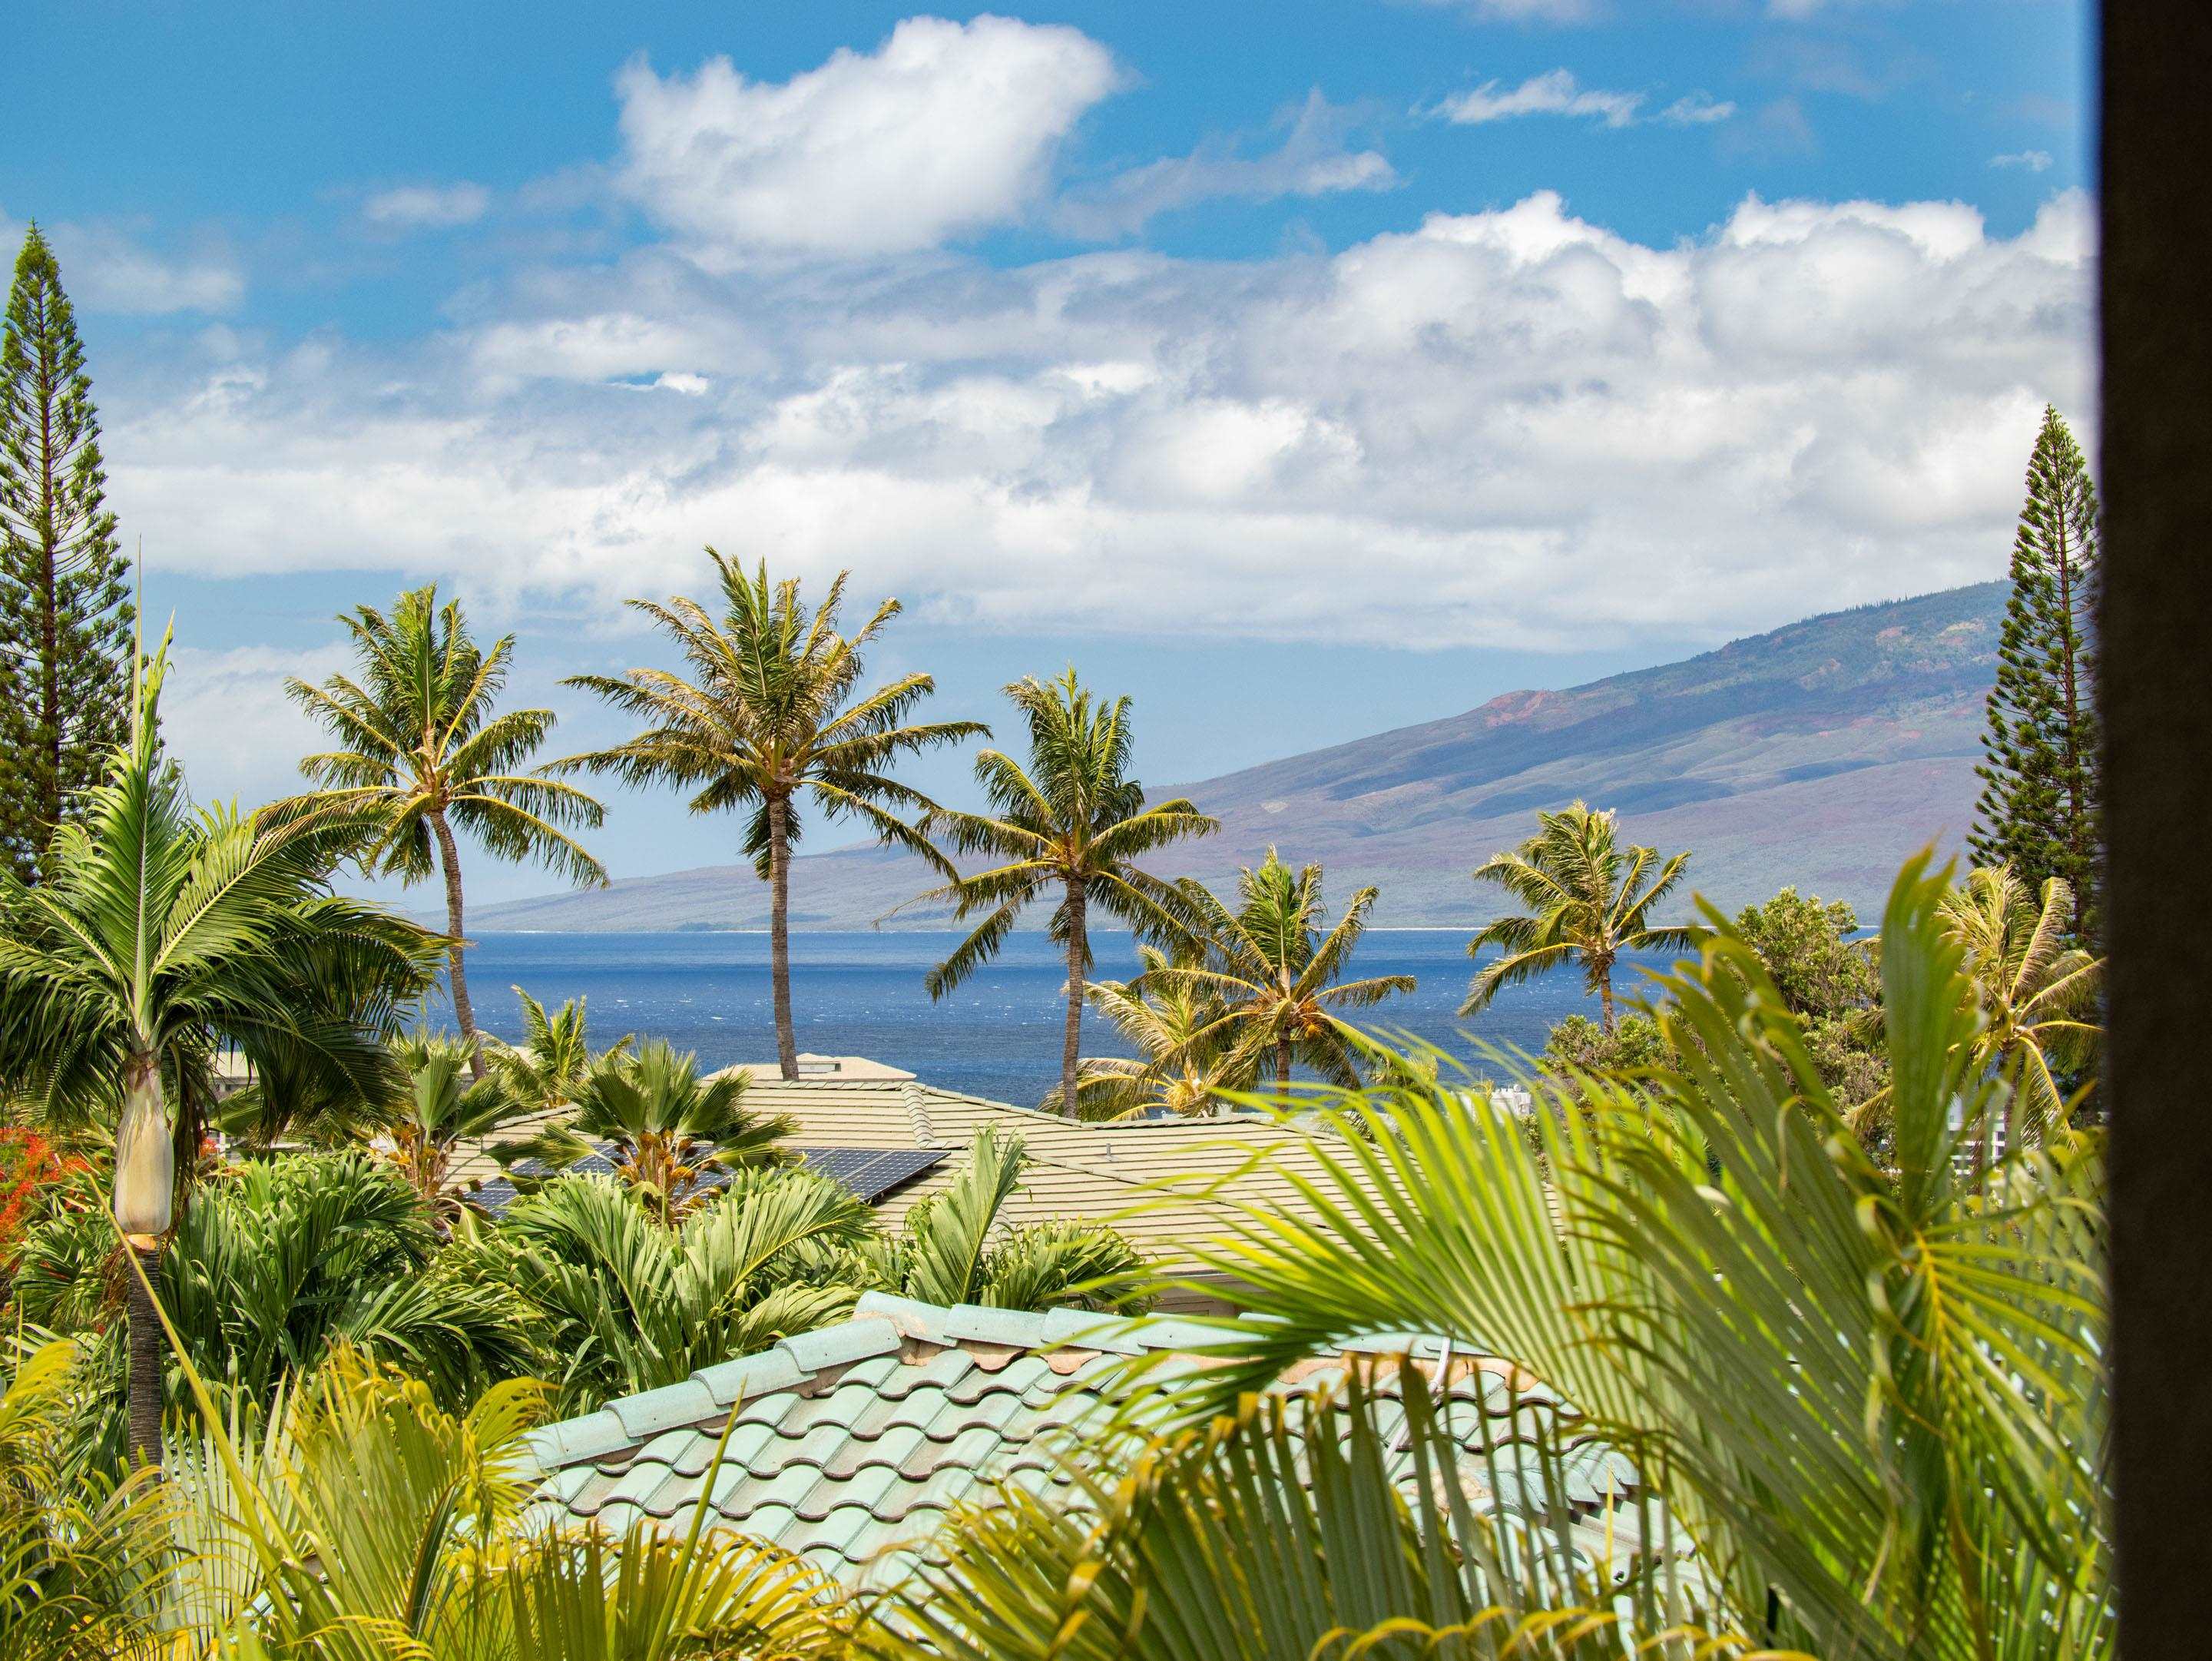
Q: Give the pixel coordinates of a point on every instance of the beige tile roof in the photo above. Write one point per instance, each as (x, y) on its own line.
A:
(1149, 1179)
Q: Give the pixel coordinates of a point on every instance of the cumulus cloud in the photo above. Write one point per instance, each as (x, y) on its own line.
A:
(1315, 158)
(427, 207)
(225, 717)
(105, 269)
(945, 130)
(1553, 93)
(2031, 161)
(1511, 427)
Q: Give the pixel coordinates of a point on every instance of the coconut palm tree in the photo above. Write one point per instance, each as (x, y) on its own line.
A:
(670, 1130)
(1865, 1408)
(423, 752)
(1277, 983)
(1073, 820)
(954, 1247)
(2039, 999)
(162, 931)
(2036, 995)
(543, 1073)
(1177, 1068)
(770, 715)
(1587, 902)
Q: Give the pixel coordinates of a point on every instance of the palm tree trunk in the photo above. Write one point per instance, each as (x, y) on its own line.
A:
(779, 931)
(1283, 1064)
(1078, 950)
(1605, 997)
(145, 1184)
(147, 1346)
(465, 1015)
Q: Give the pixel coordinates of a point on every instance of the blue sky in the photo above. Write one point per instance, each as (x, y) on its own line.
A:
(1303, 369)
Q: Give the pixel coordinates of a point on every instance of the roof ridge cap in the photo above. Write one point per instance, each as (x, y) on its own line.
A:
(911, 1092)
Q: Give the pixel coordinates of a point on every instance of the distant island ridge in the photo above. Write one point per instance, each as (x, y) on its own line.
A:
(1820, 754)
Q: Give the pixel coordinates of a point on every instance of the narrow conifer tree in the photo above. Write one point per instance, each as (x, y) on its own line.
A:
(65, 615)
(2038, 808)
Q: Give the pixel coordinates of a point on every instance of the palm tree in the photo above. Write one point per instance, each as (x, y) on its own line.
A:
(1863, 1411)
(1587, 902)
(670, 1129)
(1072, 820)
(1277, 985)
(162, 931)
(1178, 1065)
(954, 1249)
(2037, 999)
(627, 1304)
(423, 752)
(770, 715)
(545, 1070)
(435, 1113)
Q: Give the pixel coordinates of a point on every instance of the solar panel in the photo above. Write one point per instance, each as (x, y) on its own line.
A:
(872, 1173)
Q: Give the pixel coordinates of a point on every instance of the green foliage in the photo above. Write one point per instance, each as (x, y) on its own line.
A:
(1829, 980)
(545, 1070)
(274, 1263)
(1580, 1043)
(770, 715)
(1874, 1397)
(421, 751)
(1277, 977)
(2042, 789)
(622, 1303)
(1587, 902)
(1072, 820)
(78, 1553)
(670, 1129)
(434, 1113)
(66, 645)
(372, 1523)
(954, 1249)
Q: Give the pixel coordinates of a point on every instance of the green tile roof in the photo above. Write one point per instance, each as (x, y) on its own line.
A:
(850, 1443)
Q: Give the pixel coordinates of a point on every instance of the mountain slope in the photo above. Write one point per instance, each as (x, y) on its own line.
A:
(1821, 754)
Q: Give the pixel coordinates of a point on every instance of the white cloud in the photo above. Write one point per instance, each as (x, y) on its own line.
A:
(2032, 160)
(226, 719)
(1696, 109)
(1511, 427)
(105, 269)
(1521, 11)
(427, 207)
(943, 130)
(1553, 93)
(1314, 159)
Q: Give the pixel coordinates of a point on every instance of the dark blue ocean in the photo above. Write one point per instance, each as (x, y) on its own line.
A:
(861, 994)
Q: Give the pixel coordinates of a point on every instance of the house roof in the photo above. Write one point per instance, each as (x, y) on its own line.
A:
(1147, 1178)
(849, 1445)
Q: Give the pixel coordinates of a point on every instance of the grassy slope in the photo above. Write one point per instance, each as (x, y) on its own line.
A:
(1821, 754)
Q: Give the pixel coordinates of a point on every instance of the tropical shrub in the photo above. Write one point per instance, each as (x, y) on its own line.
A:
(953, 1249)
(620, 1302)
(275, 1263)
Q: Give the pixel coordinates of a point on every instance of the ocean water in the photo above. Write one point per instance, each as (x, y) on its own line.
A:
(861, 994)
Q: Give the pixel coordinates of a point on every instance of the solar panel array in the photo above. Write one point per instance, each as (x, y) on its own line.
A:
(870, 1172)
